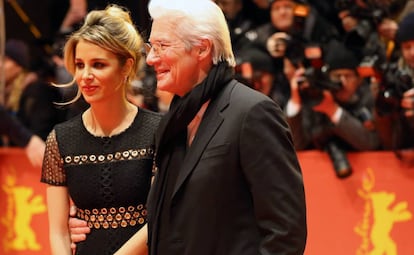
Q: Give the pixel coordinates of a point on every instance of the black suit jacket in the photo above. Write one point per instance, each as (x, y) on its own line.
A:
(240, 189)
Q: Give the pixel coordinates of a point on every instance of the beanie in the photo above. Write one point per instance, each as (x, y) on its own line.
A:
(338, 56)
(405, 30)
(295, 51)
(18, 51)
(259, 60)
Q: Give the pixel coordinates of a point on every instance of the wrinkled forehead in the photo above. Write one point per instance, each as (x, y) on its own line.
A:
(163, 29)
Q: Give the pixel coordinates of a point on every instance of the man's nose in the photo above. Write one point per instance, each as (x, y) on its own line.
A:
(152, 58)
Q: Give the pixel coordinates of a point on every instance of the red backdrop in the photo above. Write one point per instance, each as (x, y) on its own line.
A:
(370, 212)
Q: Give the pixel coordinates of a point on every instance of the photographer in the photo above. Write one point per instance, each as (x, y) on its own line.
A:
(370, 26)
(294, 18)
(329, 110)
(289, 19)
(395, 101)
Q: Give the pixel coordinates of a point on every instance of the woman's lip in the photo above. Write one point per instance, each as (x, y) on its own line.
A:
(89, 88)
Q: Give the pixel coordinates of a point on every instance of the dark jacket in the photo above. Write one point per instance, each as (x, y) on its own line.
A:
(239, 190)
(38, 110)
(13, 129)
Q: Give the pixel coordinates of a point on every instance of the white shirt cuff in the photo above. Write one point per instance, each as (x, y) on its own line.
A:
(337, 115)
(292, 109)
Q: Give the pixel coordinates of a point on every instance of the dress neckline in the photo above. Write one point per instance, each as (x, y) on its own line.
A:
(115, 134)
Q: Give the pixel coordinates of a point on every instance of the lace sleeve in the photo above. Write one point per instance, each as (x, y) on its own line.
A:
(52, 169)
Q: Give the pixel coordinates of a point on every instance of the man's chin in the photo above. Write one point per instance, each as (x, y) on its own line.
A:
(164, 87)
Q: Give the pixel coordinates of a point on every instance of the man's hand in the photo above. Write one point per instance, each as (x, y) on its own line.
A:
(407, 103)
(78, 228)
(276, 44)
(35, 150)
(328, 105)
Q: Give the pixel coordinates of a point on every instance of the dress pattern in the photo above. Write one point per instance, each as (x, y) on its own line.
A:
(108, 178)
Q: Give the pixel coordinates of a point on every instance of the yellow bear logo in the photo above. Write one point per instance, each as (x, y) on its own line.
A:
(380, 214)
(21, 206)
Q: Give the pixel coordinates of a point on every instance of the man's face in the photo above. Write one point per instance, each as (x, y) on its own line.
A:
(264, 4)
(230, 8)
(407, 51)
(11, 69)
(282, 14)
(177, 68)
(349, 80)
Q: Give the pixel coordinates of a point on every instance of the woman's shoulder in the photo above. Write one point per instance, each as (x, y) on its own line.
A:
(150, 116)
(71, 124)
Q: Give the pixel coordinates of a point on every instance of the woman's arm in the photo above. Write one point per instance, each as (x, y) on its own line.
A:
(58, 213)
(136, 245)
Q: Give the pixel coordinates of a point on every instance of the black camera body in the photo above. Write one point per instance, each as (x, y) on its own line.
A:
(313, 82)
(369, 13)
(395, 82)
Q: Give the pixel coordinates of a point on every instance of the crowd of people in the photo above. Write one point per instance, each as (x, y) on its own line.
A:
(340, 70)
(229, 92)
(150, 183)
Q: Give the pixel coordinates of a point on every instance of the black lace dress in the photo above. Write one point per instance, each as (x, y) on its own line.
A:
(108, 178)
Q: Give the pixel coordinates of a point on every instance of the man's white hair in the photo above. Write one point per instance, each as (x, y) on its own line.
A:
(194, 20)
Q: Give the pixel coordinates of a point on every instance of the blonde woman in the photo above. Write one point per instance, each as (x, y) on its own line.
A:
(102, 159)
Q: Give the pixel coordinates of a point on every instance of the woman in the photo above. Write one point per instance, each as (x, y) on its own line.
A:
(102, 159)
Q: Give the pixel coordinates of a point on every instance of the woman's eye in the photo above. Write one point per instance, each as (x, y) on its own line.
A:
(98, 65)
(79, 65)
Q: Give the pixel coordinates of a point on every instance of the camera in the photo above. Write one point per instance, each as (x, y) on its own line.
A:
(394, 83)
(339, 159)
(315, 78)
(369, 13)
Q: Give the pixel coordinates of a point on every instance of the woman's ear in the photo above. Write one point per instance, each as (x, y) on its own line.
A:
(129, 64)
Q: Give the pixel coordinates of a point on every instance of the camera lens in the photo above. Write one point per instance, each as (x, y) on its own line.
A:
(339, 160)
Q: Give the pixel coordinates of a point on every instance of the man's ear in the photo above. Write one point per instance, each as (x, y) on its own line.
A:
(205, 49)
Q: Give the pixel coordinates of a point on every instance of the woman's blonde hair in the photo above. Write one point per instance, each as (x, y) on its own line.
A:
(111, 29)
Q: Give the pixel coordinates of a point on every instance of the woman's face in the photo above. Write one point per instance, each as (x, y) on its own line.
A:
(177, 69)
(98, 73)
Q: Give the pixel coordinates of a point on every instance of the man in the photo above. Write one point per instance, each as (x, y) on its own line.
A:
(28, 94)
(34, 146)
(332, 109)
(395, 101)
(227, 180)
(292, 18)
(240, 23)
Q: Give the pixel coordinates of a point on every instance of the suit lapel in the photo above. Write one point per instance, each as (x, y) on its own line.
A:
(209, 125)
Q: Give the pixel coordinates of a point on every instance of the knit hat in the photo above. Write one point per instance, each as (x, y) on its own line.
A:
(295, 51)
(18, 51)
(405, 30)
(338, 56)
(259, 60)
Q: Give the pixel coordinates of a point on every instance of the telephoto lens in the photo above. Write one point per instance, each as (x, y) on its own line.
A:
(339, 160)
